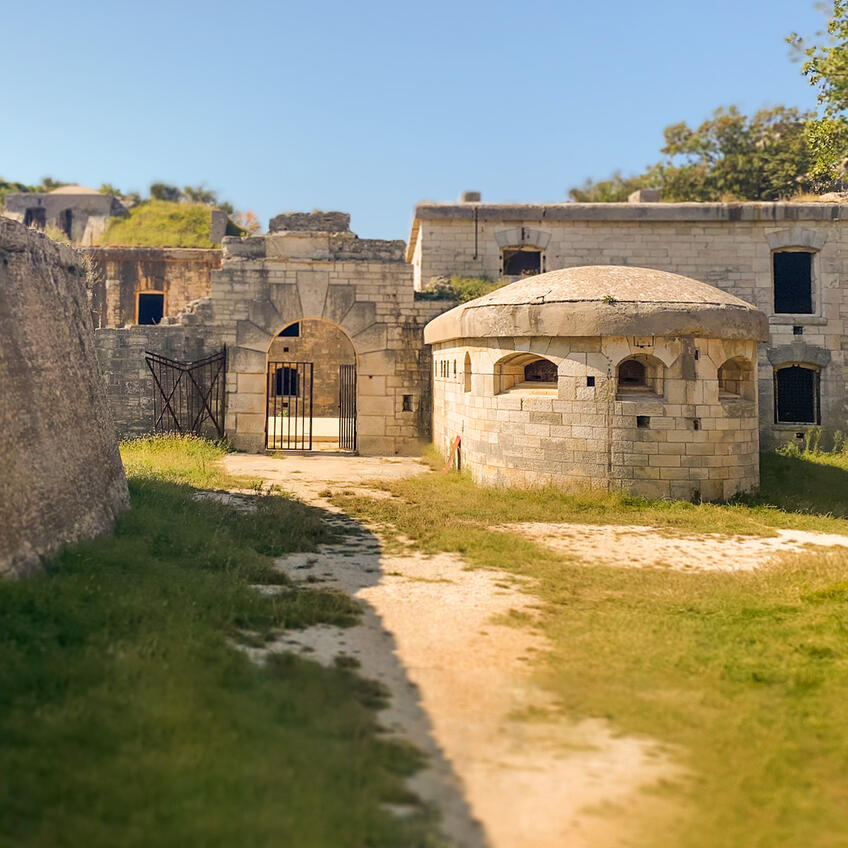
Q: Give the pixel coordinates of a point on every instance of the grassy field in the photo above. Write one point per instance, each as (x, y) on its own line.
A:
(744, 676)
(128, 718)
(160, 223)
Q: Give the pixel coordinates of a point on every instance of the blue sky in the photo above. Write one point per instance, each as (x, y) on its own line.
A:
(370, 107)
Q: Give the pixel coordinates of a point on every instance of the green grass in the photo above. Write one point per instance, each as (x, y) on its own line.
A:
(128, 718)
(160, 223)
(744, 676)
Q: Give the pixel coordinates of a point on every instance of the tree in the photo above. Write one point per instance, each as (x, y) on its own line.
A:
(730, 156)
(826, 68)
(200, 194)
(163, 191)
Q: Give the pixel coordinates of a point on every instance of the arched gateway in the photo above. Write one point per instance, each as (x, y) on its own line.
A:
(310, 388)
(370, 387)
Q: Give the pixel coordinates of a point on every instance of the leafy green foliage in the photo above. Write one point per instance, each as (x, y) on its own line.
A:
(460, 289)
(159, 223)
(129, 718)
(730, 156)
(826, 68)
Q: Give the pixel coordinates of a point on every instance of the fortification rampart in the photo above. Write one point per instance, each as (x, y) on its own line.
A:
(62, 476)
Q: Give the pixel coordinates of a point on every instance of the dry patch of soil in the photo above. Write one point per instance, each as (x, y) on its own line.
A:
(640, 547)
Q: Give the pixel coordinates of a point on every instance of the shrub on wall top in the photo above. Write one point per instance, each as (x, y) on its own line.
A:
(160, 223)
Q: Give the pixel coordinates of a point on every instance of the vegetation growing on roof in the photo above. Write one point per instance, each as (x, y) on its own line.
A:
(160, 223)
(459, 289)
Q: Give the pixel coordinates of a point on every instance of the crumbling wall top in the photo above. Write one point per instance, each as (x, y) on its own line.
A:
(314, 222)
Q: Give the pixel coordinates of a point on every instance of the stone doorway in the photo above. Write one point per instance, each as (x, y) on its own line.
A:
(311, 388)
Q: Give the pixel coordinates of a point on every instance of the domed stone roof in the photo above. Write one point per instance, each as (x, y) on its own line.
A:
(602, 300)
(74, 189)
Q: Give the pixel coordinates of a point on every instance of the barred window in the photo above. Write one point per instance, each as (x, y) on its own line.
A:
(796, 395)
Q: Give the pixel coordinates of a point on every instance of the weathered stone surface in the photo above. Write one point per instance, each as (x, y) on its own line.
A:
(602, 300)
(728, 245)
(321, 222)
(181, 274)
(688, 429)
(62, 478)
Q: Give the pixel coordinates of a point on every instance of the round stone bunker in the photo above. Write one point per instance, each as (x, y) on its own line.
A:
(616, 378)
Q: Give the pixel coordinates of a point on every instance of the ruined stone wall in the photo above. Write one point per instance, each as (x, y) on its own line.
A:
(128, 382)
(729, 246)
(582, 436)
(62, 478)
(182, 273)
(364, 287)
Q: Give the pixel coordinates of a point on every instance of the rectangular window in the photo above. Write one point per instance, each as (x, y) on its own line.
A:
(151, 307)
(793, 282)
(518, 262)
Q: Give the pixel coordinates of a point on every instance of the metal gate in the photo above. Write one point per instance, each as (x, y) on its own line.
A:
(288, 421)
(347, 407)
(188, 397)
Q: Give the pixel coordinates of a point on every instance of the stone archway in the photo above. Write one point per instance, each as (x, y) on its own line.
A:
(310, 388)
(312, 297)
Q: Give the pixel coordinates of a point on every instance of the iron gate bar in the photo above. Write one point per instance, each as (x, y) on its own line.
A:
(185, 408)
(347, 407)
(295, 383)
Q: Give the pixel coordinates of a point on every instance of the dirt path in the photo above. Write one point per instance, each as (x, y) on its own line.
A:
(460, 682)
(639, 547)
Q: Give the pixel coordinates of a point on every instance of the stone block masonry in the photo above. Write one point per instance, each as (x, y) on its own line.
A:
(62, 478)
(180, 274)
(727, 245)
(361, 287)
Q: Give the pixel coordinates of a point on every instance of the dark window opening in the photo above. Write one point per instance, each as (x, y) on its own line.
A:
(793, 282)
(286, 382)
(292, 330)
(796, 395)
(590, 381)
(643, 421)
(66, 222)
(521, 263)
(696, 423)
(631, 373)
(151, 307)
(36, 216)
(540, 371)
(797, 330)
(407, 403)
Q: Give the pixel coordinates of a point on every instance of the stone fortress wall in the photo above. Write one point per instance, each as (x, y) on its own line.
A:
(584, 436)
(729, 246)
(298, 271)
(62, 476)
